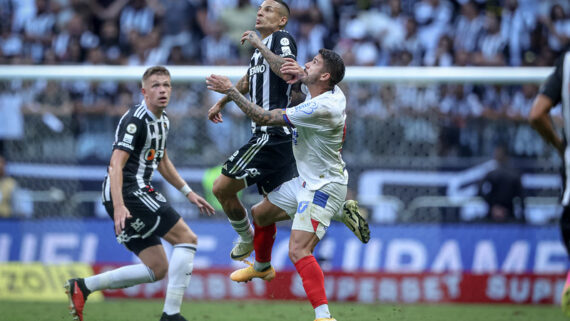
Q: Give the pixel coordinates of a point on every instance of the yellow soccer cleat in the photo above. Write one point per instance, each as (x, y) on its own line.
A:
(565, 300)
(249, 273)
(325, 319)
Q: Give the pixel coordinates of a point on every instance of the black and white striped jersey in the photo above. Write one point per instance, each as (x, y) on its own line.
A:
(557, 88)
(143, 136)
(266, 89)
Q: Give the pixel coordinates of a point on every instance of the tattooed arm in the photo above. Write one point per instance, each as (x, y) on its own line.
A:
(275, 61)
(261, 116)
(214, 113)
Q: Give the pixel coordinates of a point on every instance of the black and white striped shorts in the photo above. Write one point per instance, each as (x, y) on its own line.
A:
(266, 160)
(152, 218)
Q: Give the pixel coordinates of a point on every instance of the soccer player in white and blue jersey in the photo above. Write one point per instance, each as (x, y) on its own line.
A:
(311, 199)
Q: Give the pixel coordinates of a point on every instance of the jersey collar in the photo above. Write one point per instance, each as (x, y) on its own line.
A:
(149, 112)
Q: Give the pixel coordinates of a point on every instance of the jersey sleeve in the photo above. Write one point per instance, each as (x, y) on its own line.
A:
(311, 114)
(284, 45)
(552, 87)
(129, 133)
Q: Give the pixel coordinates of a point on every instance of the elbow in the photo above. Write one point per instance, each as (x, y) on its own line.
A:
(534, 118)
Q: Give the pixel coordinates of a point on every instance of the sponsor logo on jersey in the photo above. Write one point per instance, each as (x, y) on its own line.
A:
(259, 69)
(150, 154)
(284, 41)
(131, 128)
(306, 108)
(128, 138)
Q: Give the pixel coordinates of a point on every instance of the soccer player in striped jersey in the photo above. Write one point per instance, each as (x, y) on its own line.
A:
(142, 215)
(267, 159)
(318, 193)
(555, 90)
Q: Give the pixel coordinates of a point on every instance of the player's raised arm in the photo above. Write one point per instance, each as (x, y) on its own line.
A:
(171, 175)
(215, 112)
(261, 116)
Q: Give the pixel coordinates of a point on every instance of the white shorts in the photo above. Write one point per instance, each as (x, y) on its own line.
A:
(310, 211)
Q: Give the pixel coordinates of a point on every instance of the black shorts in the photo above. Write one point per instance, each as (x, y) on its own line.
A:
(266, 160)
(152, 218)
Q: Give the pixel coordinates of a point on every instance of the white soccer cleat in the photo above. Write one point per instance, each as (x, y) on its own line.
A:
(242, 250)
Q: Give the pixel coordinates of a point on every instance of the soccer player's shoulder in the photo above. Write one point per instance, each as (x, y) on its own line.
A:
(284, 37)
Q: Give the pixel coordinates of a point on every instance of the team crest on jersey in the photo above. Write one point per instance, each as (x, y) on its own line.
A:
(286, 50)
(131, 128)
(306, 108)
(284, 41)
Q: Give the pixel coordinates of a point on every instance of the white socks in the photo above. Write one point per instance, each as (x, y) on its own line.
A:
(120, 278)
(243, 228)
(179, 273)
(322, 311)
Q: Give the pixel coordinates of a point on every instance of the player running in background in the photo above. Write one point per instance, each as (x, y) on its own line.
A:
(267, 159)
(317, 194)
(142, 215)
(556, 89)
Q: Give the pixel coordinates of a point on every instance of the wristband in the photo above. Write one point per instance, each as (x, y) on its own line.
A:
(185, 190)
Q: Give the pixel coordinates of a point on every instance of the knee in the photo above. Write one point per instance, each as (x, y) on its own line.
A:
(257, 218)
(219, 189)
(160, 270)
(296, 253)
(192, 238)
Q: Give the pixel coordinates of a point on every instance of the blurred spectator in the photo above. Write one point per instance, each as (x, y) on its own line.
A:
(180, 27)
(433, 17)
(8, 188)
(217, 48)
(516, 26)
(558, 26)
(491, 46)
(502, 190)
(38, 31)
(11, 117)
(236, 20)
(443, 55)
(468, 27)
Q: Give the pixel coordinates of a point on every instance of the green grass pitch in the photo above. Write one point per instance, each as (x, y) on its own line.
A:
(143, 310)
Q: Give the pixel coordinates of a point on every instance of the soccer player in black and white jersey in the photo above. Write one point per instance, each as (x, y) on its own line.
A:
(267, 159)
(142, 215)
(555, 90)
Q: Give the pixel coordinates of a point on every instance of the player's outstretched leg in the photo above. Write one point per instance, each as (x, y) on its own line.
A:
(249, 273)
(77, 294)
(355, 221)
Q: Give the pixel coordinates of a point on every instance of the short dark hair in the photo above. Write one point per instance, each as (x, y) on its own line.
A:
(334, 65)
(283, 3)
(155, 70)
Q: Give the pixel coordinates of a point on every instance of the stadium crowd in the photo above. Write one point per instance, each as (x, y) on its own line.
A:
(401, 124)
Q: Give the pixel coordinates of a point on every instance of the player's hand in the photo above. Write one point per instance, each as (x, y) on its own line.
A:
(252, 37)
(293, 69)
(121, 214)
(215, 113)
(202, 204)
(218, 83)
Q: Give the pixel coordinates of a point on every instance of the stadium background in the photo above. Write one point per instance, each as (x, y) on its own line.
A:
(416, 152)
